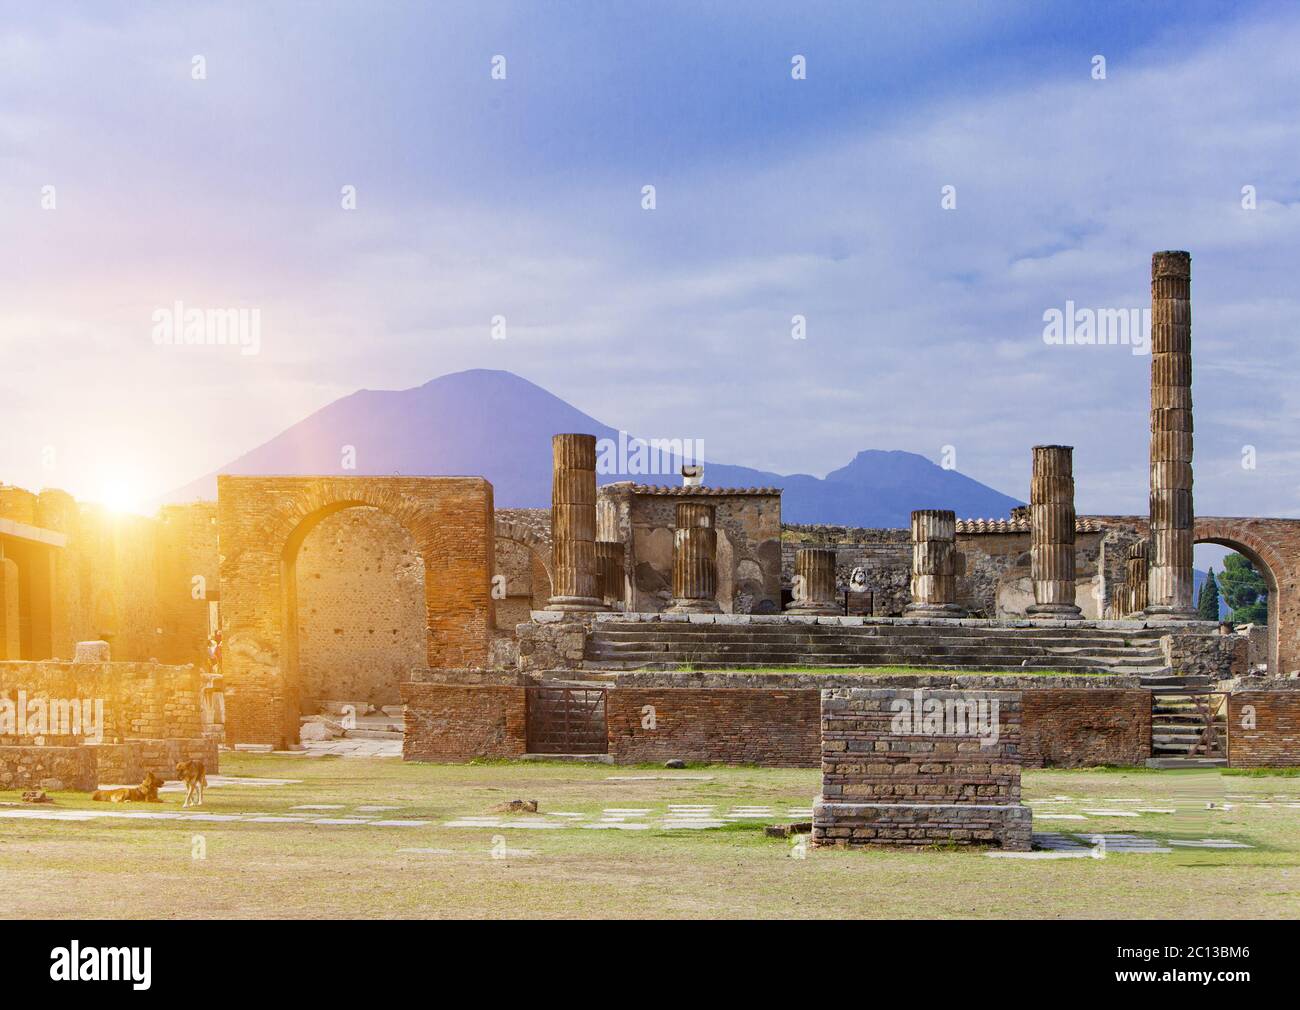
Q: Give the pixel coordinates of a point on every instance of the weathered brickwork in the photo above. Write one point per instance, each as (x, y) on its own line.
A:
(1080, 728)
(460, 722)
(913, 786)
(361, 611)
(773, 728)
(263, 522)
(1208, 655)
(1264, 727)
(85, 767)
(53, 768)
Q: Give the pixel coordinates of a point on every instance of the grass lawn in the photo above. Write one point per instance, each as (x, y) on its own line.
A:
(126, 868)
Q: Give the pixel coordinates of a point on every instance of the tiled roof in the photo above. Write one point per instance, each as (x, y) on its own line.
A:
(668, 489)
(1081, 525)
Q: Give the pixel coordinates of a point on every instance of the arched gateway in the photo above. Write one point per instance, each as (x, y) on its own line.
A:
(263, 522)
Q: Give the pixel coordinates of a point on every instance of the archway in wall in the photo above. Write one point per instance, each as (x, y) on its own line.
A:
(1255, 554)
(359, 616)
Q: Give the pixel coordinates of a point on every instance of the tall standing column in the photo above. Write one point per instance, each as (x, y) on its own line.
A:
(934, 565)
(1051, 533)
(695, 567)
(814, 582)
(1170, 594)
(573, 523)
(1136, 577)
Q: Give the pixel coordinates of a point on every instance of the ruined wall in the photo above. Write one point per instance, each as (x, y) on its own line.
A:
(1264, 727)
(1220, 657)
(1081, 728)
(643, 518)
(361, 624)
(884, 557)
(771, 728)
(461, 722)
(264, 521)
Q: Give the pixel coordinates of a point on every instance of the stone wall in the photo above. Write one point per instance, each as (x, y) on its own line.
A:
(461, 722)
(53, 768)
(643, 518)
(1080, 728)
(1264, 726)
(926, 783)
(1203, 653)
(263, 523)
(360, 609)
(141, 700)
(771, 728)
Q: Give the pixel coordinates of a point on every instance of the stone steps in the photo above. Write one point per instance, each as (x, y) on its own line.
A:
(649, 645)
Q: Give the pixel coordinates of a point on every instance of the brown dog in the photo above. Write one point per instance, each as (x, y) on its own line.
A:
(195, 778)
(145, 792)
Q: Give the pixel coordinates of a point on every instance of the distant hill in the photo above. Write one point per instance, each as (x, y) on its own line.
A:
(498, 425)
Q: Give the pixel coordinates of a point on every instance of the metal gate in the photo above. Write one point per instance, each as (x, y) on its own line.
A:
(1189, 722)
(567, 720)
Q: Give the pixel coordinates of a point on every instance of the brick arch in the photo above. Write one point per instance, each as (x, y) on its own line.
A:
(1264, 548)
(525, 536)
(262, 524)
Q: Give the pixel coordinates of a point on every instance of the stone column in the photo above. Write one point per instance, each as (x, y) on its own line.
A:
(1170, 593)
(934, 565)
(1051, 533)
(695, 568)
(609, 571)
(573, 523)
(814, 582)
(1136, 577)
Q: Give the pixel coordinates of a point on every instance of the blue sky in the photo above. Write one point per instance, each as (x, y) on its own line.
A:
(774, 198)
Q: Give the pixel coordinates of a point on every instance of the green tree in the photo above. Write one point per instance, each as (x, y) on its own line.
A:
(1207, 604)
(1244, 589)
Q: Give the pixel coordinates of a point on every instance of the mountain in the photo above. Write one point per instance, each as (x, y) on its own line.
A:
(496, 424)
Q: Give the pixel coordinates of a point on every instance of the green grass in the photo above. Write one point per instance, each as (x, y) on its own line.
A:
(135, 868)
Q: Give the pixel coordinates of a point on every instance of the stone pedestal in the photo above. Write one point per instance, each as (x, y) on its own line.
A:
(609, 571)
(695, 568)
(1170, 578)
(573, 523)
(1051, 525)
(934, 565)
(814, 582)
(1136, 576)
(921, 767)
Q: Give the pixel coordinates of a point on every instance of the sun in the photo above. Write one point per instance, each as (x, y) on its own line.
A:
(122, 496)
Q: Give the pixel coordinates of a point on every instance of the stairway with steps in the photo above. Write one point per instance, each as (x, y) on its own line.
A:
(618, 645)
(1181, 707)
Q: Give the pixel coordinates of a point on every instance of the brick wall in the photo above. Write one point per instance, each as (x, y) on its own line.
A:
(1079, 728)
(893, 778)
(775, 728)
(460, 722)
(1264, 728)
(263, 522)
(54, 768)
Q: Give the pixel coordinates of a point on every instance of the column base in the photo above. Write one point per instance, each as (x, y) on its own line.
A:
(1165, 613)
(1054, 612)
(940, 611)
(814, 610)
(575, 604)
(689, 606)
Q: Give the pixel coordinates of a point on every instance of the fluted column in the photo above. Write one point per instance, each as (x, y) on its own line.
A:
(695, 568)
(609, 571)
(1170, 593)
(1136, 577)
(814, 582)
(573, 523)
(934, 564)
(1051, 533)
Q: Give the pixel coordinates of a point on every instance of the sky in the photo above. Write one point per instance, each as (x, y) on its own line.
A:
(202, 153)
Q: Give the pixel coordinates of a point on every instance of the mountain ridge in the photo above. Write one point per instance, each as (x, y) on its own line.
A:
(497, 424)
